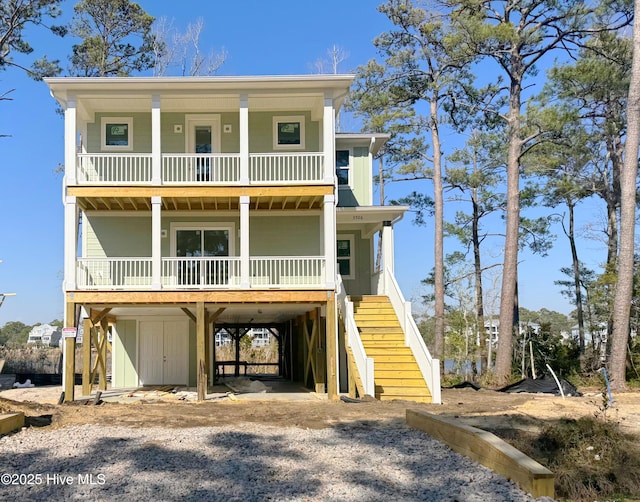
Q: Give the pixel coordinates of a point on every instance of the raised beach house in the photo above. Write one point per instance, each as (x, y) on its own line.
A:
(200, 205)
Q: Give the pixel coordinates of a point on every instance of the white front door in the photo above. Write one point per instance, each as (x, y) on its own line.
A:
(176, 352)
(164, 353)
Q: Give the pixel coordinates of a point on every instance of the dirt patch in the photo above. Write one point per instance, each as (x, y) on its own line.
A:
(501, 413)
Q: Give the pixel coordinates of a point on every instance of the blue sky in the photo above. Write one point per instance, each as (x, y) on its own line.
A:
(260, 37)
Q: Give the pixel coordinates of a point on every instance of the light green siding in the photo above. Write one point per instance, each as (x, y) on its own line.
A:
(362, 176)
(359, 193)
(285, 236)
(363, 255)
(261, 131)
(113, 237)
(124, 354)
(173, 142)
(141, 132)
(130, 236)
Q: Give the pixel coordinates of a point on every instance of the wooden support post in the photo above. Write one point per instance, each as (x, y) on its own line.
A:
(104, 331)
(332, 348)
(201, 348)
(87, 384)
(70, 355)
(207, 345)
(320, 353)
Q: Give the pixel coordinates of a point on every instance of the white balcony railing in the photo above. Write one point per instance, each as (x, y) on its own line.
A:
(287, 271)
(113, 169)
(196, 168)
(290, 167)
(114, 273)
(187, 168)
(218, 272)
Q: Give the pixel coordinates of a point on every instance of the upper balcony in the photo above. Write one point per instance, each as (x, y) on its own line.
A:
(200, 131)
(200, 169)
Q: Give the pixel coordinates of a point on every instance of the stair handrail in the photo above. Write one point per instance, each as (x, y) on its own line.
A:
(363, 363)
(429, 366)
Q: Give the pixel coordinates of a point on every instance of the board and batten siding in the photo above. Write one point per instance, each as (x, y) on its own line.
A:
(363, 257)
(124, 354)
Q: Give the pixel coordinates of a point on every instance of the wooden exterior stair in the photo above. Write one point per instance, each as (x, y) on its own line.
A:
(396, 372)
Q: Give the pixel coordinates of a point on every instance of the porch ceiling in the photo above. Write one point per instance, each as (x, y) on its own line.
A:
(245, 313)
(229, 203)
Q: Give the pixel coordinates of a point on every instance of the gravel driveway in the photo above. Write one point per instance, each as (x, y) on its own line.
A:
(359, 462)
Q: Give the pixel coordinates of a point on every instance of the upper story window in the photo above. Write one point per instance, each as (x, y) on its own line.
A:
(117, 133)
(343, 167)
(288, 133)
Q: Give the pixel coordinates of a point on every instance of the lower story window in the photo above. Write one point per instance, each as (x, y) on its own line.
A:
(345, 253)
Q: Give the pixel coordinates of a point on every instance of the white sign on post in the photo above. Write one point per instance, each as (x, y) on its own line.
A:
(69, 332)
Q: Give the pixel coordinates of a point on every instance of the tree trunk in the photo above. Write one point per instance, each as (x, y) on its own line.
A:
(510, 267)
(477, 267)
(576, 277)
(438, 254)
(624, 289)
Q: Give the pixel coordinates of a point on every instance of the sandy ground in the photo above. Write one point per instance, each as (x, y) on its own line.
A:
(501, 413)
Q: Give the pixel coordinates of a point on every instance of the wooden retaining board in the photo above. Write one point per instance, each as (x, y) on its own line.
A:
(11, 422)
(487, 449)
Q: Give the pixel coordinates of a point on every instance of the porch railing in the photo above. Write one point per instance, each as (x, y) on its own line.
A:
(196, 168)
(287, 271)
(290, 167)
(114, 273)
(363, 363)
(206, 272)
(190, 168)
(114, 169)
(429, 366)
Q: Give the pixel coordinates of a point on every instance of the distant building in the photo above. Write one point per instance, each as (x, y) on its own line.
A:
(492, 327)
(260, 337)
(45, 334)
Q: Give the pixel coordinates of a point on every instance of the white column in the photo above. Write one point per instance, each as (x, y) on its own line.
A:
(70, 242)
(387, 247)
(244, 139)
(244, 241)
(328, 139)
(156, 148)
(329, 223)
(156, 242)
(70, 141)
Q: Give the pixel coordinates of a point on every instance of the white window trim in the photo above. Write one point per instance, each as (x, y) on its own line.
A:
(352, 262)
(229, 226)
(349, 170)
(103, 133)
(290, 118)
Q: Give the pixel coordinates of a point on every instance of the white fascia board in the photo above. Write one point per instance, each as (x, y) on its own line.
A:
(370, 214)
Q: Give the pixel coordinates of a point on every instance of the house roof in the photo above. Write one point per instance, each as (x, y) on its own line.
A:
(265, 92)
(368, 219)
(373, 140)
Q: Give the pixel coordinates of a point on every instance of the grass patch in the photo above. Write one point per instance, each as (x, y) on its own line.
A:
(591, 457)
